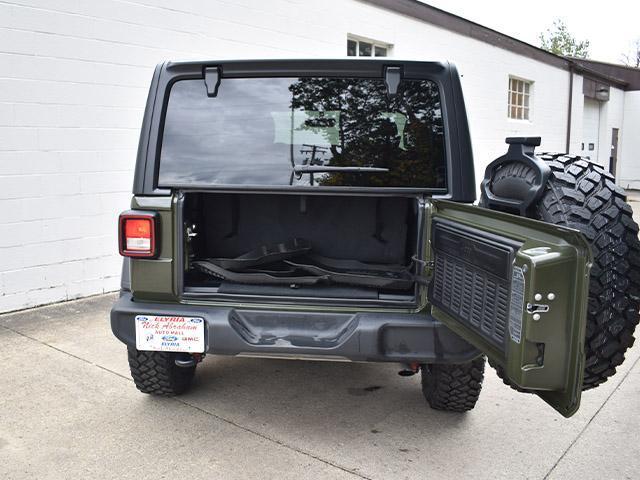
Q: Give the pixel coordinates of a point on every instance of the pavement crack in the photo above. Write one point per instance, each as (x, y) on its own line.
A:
(88, 362)
(274, 440)
(575, 440)
(200, 409)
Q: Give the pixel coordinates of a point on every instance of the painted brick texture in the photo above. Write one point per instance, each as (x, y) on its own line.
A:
(74, 77)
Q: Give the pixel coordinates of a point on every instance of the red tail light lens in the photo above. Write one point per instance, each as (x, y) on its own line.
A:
(137, 234)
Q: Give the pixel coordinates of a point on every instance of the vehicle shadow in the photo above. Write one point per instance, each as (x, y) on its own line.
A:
(362, 417)
(316, 397)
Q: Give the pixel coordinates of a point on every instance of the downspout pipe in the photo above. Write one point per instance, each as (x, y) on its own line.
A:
(570, 107)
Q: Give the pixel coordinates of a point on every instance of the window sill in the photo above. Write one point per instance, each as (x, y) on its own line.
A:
(516, 120)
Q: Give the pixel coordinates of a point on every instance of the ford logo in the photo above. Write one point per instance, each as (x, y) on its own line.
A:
(142, 319)
(196, 320)
(169, 338)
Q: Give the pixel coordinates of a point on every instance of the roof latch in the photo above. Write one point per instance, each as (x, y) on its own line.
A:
(212, 80)
(392, 77)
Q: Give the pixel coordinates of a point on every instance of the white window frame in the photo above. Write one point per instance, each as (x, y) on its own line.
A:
(520, 99)
(374, 44)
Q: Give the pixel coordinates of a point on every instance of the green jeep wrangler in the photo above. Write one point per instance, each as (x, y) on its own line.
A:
(322, 209)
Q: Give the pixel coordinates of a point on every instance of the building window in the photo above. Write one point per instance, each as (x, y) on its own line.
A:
(519, 107)
(357, 47)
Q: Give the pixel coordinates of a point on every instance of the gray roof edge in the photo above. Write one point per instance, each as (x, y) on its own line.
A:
(621, 76)
(454, 23)
(626, 77)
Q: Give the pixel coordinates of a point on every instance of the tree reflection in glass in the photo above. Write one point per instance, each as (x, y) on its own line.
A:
(260, 131)
(403, 133)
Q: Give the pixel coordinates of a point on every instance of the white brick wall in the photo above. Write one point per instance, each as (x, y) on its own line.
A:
(630, 142)
(611, 116)
(577, 113)
(485, 74)
(73, 83)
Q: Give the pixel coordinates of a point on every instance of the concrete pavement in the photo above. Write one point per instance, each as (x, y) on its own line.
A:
(68, 409)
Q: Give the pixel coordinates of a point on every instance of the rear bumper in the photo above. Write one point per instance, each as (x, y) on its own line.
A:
(372, 337)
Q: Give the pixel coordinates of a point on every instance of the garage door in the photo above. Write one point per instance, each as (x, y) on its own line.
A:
(590, 129)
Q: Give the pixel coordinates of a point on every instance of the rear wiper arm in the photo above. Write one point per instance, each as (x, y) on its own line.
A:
(300, 169)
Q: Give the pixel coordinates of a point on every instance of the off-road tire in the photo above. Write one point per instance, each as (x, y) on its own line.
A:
(156, 373)
(582, 195)
(454, 387)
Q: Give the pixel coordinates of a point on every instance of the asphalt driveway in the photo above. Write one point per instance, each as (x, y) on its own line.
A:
(68, 409)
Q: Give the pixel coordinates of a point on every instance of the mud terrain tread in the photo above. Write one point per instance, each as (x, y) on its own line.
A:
(455, 387)
(582, 195)
(156, 373)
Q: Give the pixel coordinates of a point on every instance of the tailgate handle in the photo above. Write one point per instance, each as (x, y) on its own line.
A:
(537, 308)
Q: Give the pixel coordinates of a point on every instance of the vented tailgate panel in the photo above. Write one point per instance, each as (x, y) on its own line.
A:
(472, 278)
(516, 289)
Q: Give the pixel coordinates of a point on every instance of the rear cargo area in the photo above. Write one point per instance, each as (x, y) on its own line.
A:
(359, 247)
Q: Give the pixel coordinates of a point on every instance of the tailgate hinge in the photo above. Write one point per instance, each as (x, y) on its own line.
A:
(212, 80)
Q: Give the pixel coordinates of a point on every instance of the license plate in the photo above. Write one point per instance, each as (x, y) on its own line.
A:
(170, 334)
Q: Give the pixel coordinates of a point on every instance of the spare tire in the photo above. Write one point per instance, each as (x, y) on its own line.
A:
(582, 195)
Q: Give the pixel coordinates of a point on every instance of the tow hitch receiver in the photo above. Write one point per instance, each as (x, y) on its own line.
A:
(409, 369)
(189, 360)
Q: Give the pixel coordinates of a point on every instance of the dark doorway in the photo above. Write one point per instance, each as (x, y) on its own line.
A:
(613, 159)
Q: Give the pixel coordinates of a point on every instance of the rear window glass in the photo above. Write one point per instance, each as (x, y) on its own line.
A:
(299, 132)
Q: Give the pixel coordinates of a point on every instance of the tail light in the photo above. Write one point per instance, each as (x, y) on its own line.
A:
(137, 234)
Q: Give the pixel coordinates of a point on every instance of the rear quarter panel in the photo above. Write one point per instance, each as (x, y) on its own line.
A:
(155, 279)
